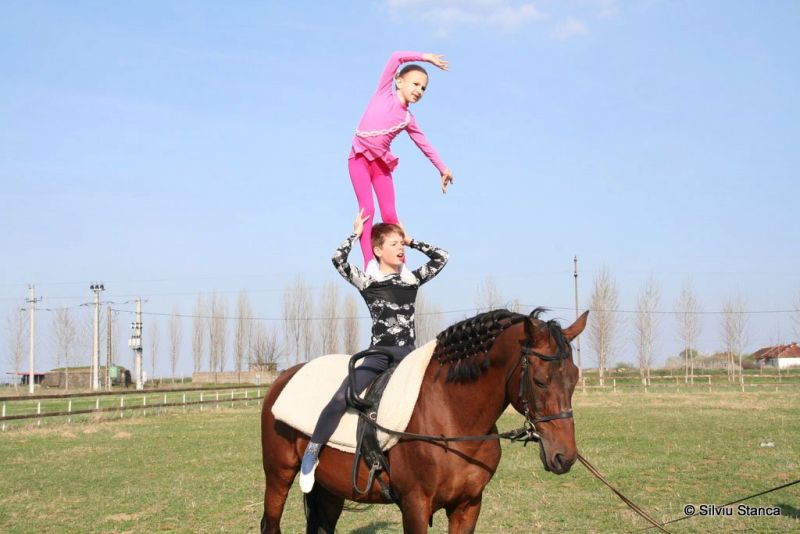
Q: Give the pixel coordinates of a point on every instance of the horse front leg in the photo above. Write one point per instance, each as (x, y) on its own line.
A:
(463, 517)
(416, 513)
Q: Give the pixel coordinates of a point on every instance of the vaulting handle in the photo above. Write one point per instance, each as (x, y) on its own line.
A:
(352, 395)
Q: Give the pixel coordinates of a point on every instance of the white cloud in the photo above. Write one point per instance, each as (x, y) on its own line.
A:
(563, 19)
(447, 15)
(569, 29)
(602, 9)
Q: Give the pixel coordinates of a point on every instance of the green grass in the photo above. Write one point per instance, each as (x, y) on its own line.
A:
(193, 471)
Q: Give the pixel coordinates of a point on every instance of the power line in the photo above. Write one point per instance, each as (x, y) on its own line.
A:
(447, 312)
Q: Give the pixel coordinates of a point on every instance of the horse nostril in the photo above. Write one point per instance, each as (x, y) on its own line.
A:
(558, 461)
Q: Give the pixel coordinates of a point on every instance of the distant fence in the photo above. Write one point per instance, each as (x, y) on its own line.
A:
(118, 403)
(259, 378)
(716, 382)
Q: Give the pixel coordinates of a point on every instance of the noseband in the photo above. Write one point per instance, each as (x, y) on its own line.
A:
(524, 386)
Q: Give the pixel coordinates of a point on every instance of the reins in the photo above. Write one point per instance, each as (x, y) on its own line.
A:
(632, 505)
(737, 501)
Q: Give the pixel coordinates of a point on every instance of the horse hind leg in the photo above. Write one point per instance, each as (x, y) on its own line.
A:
(323, 509)
(275, 493)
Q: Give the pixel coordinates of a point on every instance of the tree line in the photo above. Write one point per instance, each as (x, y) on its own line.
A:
(219, 338)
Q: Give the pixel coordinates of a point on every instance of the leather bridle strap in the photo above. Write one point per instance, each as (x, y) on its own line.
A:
(524, 386)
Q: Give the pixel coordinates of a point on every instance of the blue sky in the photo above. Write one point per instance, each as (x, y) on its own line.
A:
(172, 148)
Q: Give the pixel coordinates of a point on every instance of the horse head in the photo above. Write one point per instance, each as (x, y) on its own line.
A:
(542, 385)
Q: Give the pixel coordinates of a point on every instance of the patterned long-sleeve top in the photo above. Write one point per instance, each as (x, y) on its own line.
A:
(390, 298)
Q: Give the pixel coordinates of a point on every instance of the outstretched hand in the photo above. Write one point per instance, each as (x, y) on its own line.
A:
(447, 178)
(358, 225)
(436, 59)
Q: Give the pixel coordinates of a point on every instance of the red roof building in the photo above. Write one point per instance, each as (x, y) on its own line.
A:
(781, 356)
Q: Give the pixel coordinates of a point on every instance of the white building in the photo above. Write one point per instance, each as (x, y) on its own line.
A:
(780, 356)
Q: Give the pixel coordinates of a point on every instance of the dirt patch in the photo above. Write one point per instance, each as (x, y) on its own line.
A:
(68, 435)
(125, 517)
(122, 435)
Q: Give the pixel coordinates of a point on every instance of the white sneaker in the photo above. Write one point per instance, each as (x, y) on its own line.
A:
(307, 479)
(308, 466)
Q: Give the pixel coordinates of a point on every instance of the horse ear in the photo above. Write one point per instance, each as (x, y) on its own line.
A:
(575, 329)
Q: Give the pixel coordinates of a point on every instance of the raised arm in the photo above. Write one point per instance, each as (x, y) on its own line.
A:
(349, 272)
(438, 259)
(395, 60)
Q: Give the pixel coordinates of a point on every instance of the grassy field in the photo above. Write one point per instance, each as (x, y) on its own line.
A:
(192, 471)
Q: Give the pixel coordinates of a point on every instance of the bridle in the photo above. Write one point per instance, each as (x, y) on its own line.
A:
(525, 395)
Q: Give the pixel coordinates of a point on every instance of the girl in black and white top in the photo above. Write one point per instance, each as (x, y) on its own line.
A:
(390, 291)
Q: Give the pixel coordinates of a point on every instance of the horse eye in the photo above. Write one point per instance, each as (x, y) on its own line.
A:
(540, 384)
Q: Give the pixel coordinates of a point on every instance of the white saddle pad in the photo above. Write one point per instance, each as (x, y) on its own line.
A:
(307, 393)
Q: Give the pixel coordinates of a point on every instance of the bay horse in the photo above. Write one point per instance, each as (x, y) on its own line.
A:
(479, 366)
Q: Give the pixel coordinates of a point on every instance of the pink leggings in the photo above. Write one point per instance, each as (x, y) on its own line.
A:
(365, 176)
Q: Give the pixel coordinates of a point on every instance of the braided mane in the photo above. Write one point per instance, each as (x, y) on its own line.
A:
(461, 344)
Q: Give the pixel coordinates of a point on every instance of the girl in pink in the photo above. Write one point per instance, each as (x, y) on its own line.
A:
(370, 162)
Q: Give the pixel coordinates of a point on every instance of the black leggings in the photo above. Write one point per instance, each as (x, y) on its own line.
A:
(371, 367)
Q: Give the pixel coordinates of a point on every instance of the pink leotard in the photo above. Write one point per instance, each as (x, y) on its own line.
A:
(385, 117)
(370, 162)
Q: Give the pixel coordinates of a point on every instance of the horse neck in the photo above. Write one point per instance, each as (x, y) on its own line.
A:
(477, 405)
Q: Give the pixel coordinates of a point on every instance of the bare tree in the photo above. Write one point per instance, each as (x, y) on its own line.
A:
(734, 326)
(175, 338)
(688, 328)
(154, 335)
(427, 319)
(264, 346)
(604, 321)
(329, 320)
(85, 341)
(296, 315)
(350, 325)
(217, 333)
(645, 326)
(243, 333)
(199, 332)
(66, 336)
(16, 325)
(488, 296)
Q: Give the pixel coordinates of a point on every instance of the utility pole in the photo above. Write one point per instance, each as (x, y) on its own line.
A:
(31, 360)
(135, 342)
(97, 288)
(108, 349)
(577, 312)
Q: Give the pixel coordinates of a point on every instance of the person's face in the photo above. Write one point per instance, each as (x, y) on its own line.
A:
(392, 252)
(411, 86)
